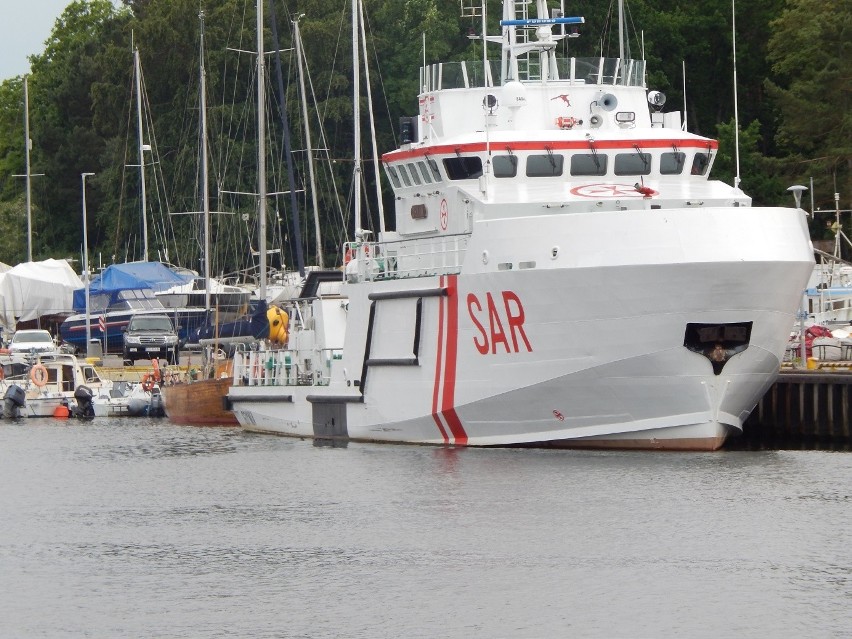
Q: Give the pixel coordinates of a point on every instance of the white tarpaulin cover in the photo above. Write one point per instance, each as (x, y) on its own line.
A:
(33, 289)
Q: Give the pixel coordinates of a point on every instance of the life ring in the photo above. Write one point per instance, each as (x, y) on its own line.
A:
(157, 376)
(38, 374)
(350, 254)
(147, 382)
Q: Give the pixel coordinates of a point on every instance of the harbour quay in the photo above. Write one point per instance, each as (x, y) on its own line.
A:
(803, 406)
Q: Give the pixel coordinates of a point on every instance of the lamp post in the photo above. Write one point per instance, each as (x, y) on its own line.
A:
(83, 177)
(802, 314)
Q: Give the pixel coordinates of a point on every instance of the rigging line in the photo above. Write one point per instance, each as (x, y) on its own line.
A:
(122, 191)
(157, 174)
(324, 143)
(372, 121)
(379, 72)
(288, 151)
(223, 134)
(342, 24)
(231, 135)
(633, 29)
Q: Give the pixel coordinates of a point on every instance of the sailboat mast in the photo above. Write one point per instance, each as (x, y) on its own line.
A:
(27, 145)
(356, 116)
(261, 152)
(381, 210)
(205, 191)
(621, 30)
(296, 237)
(308, 144)
(137, 67)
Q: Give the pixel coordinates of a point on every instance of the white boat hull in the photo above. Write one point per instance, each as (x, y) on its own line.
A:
(562, 272)
(582, 355)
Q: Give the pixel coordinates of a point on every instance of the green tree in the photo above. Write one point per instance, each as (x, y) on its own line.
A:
(758, 174)
(811, 54)
(66, 141)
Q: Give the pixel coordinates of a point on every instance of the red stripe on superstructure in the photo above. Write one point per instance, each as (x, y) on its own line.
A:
(552, 145)
(449, 395)
(438, 363)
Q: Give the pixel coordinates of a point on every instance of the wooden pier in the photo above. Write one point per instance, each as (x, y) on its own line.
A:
(803, 406)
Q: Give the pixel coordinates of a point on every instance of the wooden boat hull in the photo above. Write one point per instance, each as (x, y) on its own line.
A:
(200, 403)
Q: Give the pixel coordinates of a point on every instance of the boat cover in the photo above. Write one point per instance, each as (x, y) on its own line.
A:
(33, 289)
(254, 324)
(131, 275)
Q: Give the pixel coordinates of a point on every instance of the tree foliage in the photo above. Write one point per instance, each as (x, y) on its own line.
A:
(811, 55)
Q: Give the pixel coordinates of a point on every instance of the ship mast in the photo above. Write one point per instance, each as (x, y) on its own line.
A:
(297, 36)
(356, 116)
(137, 68)
(205, 191)
(27, 145)
(261, 153)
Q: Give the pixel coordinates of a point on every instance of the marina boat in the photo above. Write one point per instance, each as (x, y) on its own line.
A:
(120, 292)
(203, 401)
(563, 272)
(47, 385)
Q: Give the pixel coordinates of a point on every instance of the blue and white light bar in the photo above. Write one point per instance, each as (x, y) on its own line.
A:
(533, 22)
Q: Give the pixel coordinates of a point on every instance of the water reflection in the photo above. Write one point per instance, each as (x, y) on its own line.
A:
(783, 443)
(330, 442)
(138, 528)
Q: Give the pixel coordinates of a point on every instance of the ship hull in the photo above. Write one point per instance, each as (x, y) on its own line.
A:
(201, 403)
(588, 355)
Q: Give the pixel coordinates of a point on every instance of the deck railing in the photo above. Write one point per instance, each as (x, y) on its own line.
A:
(423, 257)
(593, 71)
(281, 367)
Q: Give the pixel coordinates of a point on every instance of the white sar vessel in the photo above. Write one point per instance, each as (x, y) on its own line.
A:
(562, 272)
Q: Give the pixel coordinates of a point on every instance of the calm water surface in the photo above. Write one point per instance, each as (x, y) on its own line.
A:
(138, 528)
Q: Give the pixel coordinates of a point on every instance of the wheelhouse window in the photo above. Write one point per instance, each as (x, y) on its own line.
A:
(700, 163)
(549, 165)
(394, 178)
(433, 166)
(403, 174)
(632, 163)
(427, 179)
(505, 166)
(415, 174)
(588, 164)
(672, 163)
(463, 168)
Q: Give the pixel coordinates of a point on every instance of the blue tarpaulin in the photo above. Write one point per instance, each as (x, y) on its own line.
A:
(131, 275)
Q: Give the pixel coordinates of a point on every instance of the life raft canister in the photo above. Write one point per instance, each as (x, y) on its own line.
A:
(566, 122)
(278, 322)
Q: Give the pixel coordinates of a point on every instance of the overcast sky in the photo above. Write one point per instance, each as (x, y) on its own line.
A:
(24, 26)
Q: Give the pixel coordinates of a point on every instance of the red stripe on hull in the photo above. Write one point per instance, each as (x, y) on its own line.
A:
(438, 362)
(449, 395)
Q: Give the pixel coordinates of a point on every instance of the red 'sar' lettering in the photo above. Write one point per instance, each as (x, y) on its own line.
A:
(510, 316)
(516, 319)
(482, 346)
(496, 326)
